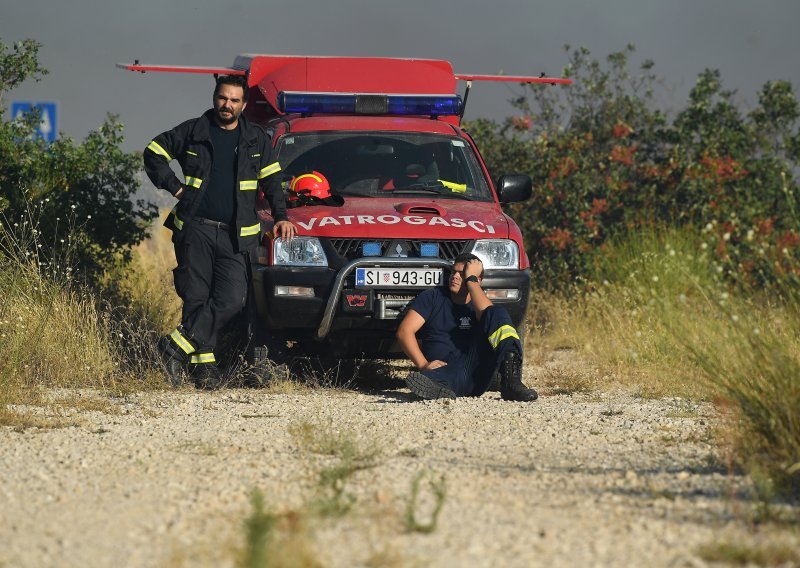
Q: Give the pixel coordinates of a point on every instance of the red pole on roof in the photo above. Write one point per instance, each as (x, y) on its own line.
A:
(514, 79)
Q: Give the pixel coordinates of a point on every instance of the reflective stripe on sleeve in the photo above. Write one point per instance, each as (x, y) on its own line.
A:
(182, 342)
(178, 222)
(251, 230)
(248, 184)
(200, 358)
(269, 170)
(503, 332)
(194, 182)
(156, 148)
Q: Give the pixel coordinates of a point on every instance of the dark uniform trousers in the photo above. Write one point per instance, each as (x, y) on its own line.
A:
(211, 279)
(469, 373)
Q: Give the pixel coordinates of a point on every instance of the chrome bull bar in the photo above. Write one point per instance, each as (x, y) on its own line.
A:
(375, 262)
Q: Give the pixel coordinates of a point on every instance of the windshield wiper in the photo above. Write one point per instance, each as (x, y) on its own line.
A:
(432, 186)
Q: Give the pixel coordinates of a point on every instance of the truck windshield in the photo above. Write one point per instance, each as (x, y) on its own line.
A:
(382, 164)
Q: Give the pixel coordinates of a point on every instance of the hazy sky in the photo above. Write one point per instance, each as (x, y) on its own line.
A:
(750, 42)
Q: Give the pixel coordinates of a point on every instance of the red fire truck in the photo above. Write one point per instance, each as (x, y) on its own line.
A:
(413, 192)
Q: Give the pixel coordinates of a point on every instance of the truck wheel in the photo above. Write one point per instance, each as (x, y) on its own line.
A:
(265, 355)
(264, 365)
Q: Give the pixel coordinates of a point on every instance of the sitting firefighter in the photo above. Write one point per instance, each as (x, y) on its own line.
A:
(458, 339)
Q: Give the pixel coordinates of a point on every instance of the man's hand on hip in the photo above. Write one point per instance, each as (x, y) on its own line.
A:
(285, 230)
(430, 365)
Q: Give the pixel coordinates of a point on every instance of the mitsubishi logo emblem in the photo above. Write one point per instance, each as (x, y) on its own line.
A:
(398, 249)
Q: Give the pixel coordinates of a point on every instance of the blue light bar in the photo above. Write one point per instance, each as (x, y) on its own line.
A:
(428, 105)
(371, 249)
(374, 104)
(319, 103)
(429, 249)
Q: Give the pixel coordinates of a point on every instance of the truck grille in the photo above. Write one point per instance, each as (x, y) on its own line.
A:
(351, 248)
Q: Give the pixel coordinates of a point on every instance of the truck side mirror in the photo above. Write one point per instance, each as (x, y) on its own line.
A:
(514, 188)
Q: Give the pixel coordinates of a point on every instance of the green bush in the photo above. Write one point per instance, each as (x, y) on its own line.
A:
(605, 160)
(92, 181)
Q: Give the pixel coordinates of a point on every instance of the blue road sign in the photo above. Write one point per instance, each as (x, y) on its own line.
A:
(48, 125)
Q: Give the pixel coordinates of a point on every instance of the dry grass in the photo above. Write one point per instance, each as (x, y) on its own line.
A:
(627, 347)
(55, 333)
(148, 280)
(662, 322)
(780, 551)
(327, 438)
(275, 540)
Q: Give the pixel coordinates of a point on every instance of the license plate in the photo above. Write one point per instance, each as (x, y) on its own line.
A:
(399, 277)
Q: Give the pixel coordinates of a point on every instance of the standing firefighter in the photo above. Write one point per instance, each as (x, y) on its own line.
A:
(224, 159)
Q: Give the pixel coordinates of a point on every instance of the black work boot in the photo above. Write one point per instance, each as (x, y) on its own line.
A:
(207, 376)
(511, 386)
(173, 359)
(427, 388)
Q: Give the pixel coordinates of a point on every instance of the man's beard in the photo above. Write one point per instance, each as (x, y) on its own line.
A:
(230, 119)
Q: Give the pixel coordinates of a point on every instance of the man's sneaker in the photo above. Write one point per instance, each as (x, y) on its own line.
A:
(427, 388)
(207, 376)
(511, 386)
(173, 360)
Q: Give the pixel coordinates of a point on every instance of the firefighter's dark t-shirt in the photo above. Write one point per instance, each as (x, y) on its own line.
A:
(449, 328)
(219, 199)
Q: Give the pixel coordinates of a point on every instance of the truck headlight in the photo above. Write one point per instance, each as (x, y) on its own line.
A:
(300, 251)
(497, 253)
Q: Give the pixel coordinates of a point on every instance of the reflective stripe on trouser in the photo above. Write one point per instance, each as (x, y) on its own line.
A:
(469, 372)
(502, 333)
(211, 279)
(202, 359)
(182, 341)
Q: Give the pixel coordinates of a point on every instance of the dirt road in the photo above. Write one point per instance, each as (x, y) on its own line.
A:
(165, 479)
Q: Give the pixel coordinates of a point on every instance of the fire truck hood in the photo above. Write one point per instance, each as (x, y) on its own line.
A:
(382, 218)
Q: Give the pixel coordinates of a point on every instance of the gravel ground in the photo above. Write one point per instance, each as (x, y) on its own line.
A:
(165, 479)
